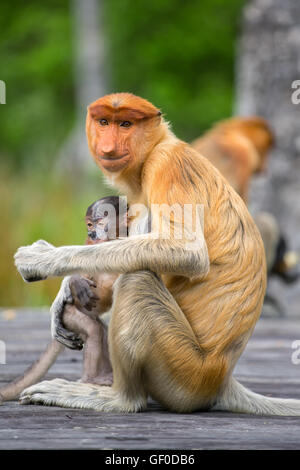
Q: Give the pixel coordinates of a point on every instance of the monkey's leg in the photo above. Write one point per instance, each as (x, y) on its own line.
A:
(96, 364)
(97, 374)
(153, 351)
(33, 374)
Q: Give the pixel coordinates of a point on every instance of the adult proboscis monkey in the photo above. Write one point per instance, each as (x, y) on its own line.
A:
(182, 312)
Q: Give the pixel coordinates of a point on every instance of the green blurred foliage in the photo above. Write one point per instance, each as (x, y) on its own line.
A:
(179, 55)
(36, 65)
(39, 205)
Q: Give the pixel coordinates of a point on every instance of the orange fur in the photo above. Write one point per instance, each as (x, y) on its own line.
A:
(221, 308)
(238, 147)
(181, 316)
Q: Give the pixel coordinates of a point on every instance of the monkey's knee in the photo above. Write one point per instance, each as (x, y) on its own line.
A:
(137, 287)
(136, 279)
(135, 294)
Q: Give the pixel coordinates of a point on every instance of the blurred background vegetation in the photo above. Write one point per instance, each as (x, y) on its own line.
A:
(179, 55)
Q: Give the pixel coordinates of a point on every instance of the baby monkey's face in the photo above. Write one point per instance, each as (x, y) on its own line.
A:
(102, 229)
(104, 222)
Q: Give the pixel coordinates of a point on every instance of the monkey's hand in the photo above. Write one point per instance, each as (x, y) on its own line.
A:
(58, 331)
(82, 292)
(31, 261)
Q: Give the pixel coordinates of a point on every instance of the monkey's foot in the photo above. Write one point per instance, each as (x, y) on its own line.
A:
(59, 392)
(103, 379)
(66, 337)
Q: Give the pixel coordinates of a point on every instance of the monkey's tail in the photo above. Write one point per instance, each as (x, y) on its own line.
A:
(238, 399)
(33, 374)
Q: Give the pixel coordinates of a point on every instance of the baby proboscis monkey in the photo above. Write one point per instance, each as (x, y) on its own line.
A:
(79, 315)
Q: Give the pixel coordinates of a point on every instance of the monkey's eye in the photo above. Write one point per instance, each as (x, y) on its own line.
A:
(89, 225)
(103, 122)
(126, 124)
(100, 221)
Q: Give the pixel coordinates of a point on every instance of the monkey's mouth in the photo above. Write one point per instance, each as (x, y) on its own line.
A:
(113, 158)
(114, 163)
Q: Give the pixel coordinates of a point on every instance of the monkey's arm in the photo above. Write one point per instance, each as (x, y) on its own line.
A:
(58, 330)
(160, 251)
(35, 262)
(77, 290)
(74, 290)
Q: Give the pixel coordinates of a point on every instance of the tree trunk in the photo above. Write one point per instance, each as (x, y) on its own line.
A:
(89, 79)
(268, 65)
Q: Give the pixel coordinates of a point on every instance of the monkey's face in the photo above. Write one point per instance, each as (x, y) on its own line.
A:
(104, 229)
(106, 220)
(112, 143)
(97, 230)
(115, 123)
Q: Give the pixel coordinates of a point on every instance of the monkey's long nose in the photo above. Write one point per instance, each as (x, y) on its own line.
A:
(108, 149)
(107, 145)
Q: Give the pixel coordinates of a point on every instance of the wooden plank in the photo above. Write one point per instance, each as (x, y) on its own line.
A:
(265, 367)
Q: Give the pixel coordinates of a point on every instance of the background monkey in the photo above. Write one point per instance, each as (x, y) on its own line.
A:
(181, 314)
(87, 299)
(281, 261)
(239, 148)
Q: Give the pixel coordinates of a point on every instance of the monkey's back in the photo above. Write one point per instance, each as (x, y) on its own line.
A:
(224, 306)
(232, 154)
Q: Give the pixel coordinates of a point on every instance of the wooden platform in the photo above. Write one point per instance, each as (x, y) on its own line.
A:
(265, 367)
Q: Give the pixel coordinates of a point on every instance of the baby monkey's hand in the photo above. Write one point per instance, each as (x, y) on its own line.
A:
(82, 292)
